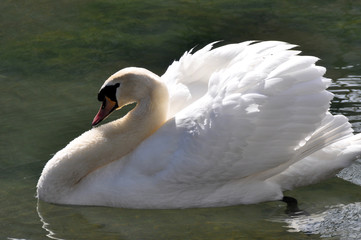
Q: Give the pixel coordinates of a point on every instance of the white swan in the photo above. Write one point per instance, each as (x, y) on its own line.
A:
(245, 122)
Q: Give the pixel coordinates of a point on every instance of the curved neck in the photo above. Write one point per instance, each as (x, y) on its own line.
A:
(149, 114)
(102, 145)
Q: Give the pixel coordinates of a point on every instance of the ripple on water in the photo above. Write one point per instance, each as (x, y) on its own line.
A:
(352, 173)
(347, 91)
(341, 221)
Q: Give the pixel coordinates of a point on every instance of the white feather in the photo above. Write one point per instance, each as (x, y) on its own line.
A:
(246, 122)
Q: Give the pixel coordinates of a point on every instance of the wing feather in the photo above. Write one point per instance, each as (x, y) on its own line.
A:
(259, 103)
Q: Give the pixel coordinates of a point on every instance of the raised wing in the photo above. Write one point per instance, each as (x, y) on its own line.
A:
(187, 79)
(261, 103)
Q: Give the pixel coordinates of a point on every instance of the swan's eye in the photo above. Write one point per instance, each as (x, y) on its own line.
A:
(108, 91)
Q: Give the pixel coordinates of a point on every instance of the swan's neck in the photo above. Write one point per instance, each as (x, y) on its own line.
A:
(102, 145)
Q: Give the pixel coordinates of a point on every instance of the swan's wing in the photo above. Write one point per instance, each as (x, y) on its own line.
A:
(259, 110)
(187, 79)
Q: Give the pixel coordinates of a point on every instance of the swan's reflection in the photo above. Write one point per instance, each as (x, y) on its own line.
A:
(71, 222)
(66, 222)
(46, 226)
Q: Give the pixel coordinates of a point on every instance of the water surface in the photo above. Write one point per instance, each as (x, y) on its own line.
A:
(56, 54)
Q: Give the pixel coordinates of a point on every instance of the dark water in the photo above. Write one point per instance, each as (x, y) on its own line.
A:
(54, 56)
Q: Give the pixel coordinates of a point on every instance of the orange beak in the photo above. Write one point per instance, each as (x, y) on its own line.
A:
(107, 108)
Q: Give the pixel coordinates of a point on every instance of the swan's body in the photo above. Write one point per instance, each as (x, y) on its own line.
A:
(245, 122)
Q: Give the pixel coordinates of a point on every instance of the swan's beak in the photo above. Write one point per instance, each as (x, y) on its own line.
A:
(107, 108)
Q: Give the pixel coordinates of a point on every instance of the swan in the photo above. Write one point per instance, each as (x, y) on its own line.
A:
(236, 124)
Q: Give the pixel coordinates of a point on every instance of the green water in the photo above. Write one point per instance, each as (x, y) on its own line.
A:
(54, 56)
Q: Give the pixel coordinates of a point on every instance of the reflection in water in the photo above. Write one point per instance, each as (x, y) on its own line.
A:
(46, 226)
(343, 221)
(79, 222)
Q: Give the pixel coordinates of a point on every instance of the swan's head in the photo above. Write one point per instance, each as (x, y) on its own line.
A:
(129, 85)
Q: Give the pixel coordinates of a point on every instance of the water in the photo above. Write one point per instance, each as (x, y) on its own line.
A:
(54, 56)
(341, 220)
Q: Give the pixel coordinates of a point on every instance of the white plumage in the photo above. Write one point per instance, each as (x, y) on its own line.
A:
(245, 122)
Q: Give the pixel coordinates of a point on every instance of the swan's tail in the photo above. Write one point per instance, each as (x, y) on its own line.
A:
(330, 148)
(333, 129)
